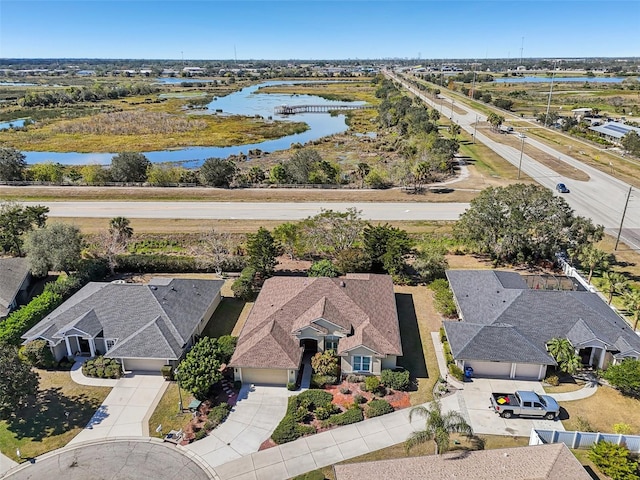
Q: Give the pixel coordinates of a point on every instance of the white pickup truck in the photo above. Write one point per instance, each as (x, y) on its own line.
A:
(526, 404)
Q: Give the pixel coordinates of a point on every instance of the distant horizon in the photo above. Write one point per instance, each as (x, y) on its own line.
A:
(318, 29)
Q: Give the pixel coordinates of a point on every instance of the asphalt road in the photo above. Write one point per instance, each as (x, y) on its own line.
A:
(602, 198)
(251, 210)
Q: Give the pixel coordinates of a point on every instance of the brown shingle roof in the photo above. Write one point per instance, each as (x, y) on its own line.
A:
(362, 306)
(538, 462)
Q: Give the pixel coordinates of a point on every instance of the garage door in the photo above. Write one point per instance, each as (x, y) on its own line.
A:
(265, 376)
(143, 364)
(490, 369)
(527, 371)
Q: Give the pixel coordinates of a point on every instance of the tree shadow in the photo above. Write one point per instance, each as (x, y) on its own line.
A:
(413, 358)
(47, 416)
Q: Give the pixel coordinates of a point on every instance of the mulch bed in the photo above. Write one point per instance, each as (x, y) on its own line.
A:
(397, 399)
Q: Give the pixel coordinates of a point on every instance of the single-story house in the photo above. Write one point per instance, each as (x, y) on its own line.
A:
(142, 326)
(15, 279)
(614, 131)
(504, 326)
(538, 462)
(354, 315)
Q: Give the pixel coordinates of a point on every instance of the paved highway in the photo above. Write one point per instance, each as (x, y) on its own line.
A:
(251, 210)
(601, 198)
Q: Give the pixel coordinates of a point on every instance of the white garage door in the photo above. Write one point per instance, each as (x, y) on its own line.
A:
(527, 371)
(143, 364)
(265, 376)
(490, 369)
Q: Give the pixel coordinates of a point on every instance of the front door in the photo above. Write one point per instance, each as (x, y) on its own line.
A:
(83, 343)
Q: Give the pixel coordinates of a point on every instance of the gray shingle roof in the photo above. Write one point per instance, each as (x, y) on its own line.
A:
(488, 298)
(13, 271)
(148, 321)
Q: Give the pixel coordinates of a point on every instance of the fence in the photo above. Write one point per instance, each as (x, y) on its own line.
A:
(583, 440)
(570, 271)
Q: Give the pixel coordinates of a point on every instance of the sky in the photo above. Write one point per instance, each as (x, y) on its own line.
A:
(320, 29)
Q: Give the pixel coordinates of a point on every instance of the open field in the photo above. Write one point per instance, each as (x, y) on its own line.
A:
(343, 91)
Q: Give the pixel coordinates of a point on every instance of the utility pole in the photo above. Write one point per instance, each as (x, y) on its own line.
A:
(521, 152)
(624, 212)
(546, 117)
(521, 50)
(452, 101)
(474, 129)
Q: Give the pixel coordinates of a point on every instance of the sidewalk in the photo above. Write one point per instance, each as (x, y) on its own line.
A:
(5, 464)
(78, 377)
(589, 389)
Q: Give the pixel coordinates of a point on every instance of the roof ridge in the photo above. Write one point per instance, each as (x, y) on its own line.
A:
(137, 332)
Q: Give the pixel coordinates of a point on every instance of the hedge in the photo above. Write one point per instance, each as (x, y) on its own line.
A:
(352, 415)
(396, 380)
(18, 322)
(154, 263)
(289, 430)
(378, 407)
(102, 367)
(443, 297)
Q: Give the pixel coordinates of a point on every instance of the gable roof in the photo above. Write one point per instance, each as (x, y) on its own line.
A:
(361, 306)
(504, 320)
(538, 462)
(13, 271)
(148, 321)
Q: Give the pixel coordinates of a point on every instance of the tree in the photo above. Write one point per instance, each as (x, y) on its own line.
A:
(113, 242)
(288, 235)
(255, 174)
(386, 246)
(120, 228)
(95, 174)
(278, 174)
(262, 250)
(630, 142)
(12, 164)
(612, 283)
(331, 232)
(46, 172)
(54, 247)
(325, 363)
(592, 258)
(217, 247)
(454, 130)
(438, 427)
(323, 268)
(38, 354)
(17, 381)
(631, 301)
(242, 287)
(129, 167)
(503, 103)
(362, 170)
(614, 461)
(430, 264)
(15, 221)
(301, 164)
(564, 353)
(217, 172)
(522, 224)
(495, 120)
(200, 370)
(625, 376)
(163, 175)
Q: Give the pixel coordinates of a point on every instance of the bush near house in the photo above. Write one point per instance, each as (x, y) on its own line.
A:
(378, 407)
(38, 354)
(102, 367)
(396, 380)
(352, 415)
(614, 461)
(443, 297)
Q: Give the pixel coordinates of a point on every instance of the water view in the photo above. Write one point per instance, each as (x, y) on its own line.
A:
(17, 123)
(243, 102)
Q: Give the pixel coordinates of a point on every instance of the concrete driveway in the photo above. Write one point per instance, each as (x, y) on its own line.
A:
(474, 400)
(126, 410)
(256, 414)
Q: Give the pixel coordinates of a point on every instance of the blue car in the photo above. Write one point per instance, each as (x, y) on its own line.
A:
(562, 188)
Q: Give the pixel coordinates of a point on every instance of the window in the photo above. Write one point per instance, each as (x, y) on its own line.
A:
(331, 343)
(110, 344)
(361, 364)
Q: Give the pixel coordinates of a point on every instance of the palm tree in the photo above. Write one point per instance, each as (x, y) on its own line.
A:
(438, 427)
(592, 258)
(454, 130)
(120, 229)
(564, 353)
(613, 282)
(362, 170)
(495, 120)
(631, 300)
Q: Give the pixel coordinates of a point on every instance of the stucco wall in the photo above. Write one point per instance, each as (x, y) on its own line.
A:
(346, 363)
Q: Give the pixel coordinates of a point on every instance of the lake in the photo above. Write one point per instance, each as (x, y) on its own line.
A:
(560, 79)
(18, 122)
(243, 102)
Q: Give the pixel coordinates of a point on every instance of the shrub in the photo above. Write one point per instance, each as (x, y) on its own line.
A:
(553, 380)
(443, 297)
(583, 425)
(325, 363)
(322, 413)
(102, 367)
(378, 407)
(352, 378)
(243, 286)
(226, 347)
(443, 335)
(371, 384)
(291, 386)
(167, 372)
(456, 372)
(396, 380)
(319, 381)
(381, 391)
(288, 430)
(38, 354)
(315, 398)
(613, 460)
(352, 415)
(625, 377)
(345, 390)
(218, 414)
(357, 398)
(622, 428)
(200, 434)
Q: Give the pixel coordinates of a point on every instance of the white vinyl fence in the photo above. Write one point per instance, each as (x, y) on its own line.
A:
(583, 440)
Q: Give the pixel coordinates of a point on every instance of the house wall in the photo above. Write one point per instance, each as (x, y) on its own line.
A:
(267, 376)
(389, 362)
(208, 315)
(59, 351)
(346, 362)
(101, 346)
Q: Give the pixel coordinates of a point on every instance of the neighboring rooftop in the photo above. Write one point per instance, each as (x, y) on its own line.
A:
(615, 129)
(362, 306)
(13, 271)
(539, 462)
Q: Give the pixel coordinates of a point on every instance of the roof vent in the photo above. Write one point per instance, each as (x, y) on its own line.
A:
(153, 287)
(342, 284)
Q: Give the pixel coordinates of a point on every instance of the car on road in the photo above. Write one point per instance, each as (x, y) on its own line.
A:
(562, 188)
(521, 135)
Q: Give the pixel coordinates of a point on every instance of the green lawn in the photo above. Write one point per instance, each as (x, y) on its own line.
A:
(166, 413)
(225, 317)
(45, 427)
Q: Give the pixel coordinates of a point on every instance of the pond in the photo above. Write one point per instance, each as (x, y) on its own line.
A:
(18, 122)
(560, 79)
(243, 102)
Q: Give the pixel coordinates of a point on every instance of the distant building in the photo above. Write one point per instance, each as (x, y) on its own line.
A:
(581, 112)
(614, 131)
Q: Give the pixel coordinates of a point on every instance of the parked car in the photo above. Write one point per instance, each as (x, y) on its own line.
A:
(524, 403)
(562, 188)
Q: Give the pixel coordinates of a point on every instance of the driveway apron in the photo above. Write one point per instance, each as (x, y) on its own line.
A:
(256, 414)
(124, 412)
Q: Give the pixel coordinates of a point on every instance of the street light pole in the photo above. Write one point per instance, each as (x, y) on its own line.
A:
(474, 129)
(180, 404)
(521, 152)
(624, 212)
(553, 73)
